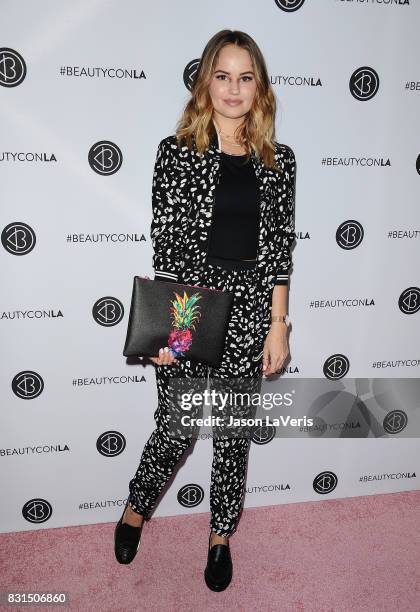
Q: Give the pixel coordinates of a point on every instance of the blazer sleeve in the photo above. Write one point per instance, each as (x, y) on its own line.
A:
(164, 231)
(287, 224)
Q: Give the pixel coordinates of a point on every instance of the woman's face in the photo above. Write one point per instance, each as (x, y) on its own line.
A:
(232, 87)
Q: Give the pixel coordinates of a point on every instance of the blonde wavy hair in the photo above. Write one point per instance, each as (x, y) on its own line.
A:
(256, 133)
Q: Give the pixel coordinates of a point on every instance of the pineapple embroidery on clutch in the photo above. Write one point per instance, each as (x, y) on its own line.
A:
(185, 313)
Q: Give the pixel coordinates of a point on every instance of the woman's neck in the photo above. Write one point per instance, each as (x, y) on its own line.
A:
(226, 139)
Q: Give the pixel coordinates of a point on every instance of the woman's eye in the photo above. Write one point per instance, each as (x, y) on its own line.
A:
(223, 76)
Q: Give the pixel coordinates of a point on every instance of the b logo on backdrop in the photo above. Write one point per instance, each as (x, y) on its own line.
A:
(37, 510)
(190, 495)
(395, 422)
(12, 67)
(18, 238)
(111, 444)
(364, 83)
(190, 71)
(289, 6)
(108, 311)
(325, 482)
(105, 157)
(27, 384)
(409, 300)
(349, 234)
(336, 366)
(263, 435)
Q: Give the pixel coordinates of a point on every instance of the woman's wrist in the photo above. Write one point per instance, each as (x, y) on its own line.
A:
(281, 319)
(278, 325)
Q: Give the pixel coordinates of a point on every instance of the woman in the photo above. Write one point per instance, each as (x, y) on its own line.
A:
(223, 218)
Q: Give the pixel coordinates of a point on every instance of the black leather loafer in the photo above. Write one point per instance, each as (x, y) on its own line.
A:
(218, 572)
(126, 540)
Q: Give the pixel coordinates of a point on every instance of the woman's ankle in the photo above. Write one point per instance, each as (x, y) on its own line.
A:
(215, 538)
(132, 517)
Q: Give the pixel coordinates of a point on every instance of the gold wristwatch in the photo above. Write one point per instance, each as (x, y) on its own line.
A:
(281, 318)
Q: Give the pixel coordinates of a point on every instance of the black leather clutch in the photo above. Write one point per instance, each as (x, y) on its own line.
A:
(191, 320)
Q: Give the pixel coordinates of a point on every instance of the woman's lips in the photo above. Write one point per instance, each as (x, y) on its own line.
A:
(232, 102)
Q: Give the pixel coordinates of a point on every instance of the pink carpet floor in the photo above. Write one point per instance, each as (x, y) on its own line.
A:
(355, 554)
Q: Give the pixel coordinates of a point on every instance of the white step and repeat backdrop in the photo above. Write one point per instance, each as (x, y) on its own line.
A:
(88, 89)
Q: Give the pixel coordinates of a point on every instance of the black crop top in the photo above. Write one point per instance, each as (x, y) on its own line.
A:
(235, 218)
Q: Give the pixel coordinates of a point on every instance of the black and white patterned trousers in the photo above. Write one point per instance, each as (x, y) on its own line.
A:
(163, 451)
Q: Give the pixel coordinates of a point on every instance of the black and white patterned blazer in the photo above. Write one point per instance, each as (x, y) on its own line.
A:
(182, 202)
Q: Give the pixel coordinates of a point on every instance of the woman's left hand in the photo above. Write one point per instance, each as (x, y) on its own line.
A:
(276, 349)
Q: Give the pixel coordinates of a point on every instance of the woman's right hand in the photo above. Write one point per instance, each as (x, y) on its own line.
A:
(165, 357)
